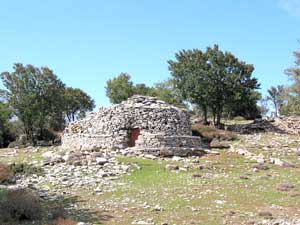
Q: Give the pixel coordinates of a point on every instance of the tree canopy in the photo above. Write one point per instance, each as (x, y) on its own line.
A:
(121, 88)
(40, 100)
(291, 97)
(213, 79)
(5, 116)
(276, 96)
(77, 103)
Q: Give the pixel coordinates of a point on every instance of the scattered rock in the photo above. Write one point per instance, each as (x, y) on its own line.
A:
(157, 208)
(295, 195)
(215, 143)
(276, 161)
(244, 177)
(287, 165)
(142, 222)
(172, 167)
(265, 215)
(260, 166)
(101, 160)
(284, 187)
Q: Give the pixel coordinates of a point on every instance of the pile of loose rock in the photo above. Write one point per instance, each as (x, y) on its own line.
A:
(288, 125)
(92, 171)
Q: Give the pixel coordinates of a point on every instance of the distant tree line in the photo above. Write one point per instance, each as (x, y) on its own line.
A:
(121, 88)
(40, 102)
(36, 103)
(213, 81)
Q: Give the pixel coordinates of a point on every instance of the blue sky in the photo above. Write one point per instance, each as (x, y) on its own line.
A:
(88, 42)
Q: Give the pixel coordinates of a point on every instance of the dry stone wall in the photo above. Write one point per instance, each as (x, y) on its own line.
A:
(160, 125)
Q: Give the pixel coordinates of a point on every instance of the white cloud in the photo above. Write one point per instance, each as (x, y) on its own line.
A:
(292, 7)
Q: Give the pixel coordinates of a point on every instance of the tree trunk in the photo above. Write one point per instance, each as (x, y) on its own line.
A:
(218, 124)
(204, 109)
(219, 112)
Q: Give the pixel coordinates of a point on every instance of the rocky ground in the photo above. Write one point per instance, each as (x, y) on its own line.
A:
(255, 181)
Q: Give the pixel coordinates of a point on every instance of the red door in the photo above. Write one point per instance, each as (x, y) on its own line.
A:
(135, 132)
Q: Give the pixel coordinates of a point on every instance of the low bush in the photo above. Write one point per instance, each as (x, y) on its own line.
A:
(25, 169)
(211, 133)
(6, 175)
(19, 205)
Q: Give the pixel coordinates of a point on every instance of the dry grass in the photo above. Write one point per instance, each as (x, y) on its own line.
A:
(18, 205)
(64, 221)
(6, 175)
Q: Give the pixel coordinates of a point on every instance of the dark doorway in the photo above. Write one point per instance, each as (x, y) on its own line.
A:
(134, 134)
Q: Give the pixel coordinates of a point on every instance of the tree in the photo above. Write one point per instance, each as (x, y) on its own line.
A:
(263, 106)
(245, 105)
(276, 97)
(36, 98)
(5, 116)
(167, 91)
(291, 98)
(119, 88)
(142, 89)
(213, 79)
(190, 77)
(77, 103)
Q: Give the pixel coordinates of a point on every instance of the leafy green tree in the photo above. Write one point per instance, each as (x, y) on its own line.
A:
(142, 89)
(245, 105)
(291, 97)
(276, 96)
(263, 106)
(119, 88)
(168, 92)
(36, 97)
(5, 116)
(189, 73)
(213, 79)
(77, 103)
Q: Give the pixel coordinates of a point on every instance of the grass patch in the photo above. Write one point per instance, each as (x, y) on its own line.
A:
(25, 169)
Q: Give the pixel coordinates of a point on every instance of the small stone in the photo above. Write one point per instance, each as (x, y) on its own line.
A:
(97, 190)
(244, 177)
(176, 158)
(220, 202)
(157, 208)
(284, 187)
(260, 166)
(172, 167)
(287, 165)
(101, 160)
(265, 214)
(197, 175)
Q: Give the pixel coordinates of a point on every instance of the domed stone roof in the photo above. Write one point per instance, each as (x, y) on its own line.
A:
(140, 121)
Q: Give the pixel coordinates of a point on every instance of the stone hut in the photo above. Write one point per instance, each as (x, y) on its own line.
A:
(143, 123)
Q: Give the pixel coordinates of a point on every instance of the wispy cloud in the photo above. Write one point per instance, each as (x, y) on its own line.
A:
(292, 7)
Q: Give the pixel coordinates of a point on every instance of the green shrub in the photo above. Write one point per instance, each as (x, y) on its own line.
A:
(25, 169)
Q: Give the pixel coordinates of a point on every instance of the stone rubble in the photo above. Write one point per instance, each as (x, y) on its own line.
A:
(287, 125)
(92, 171)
